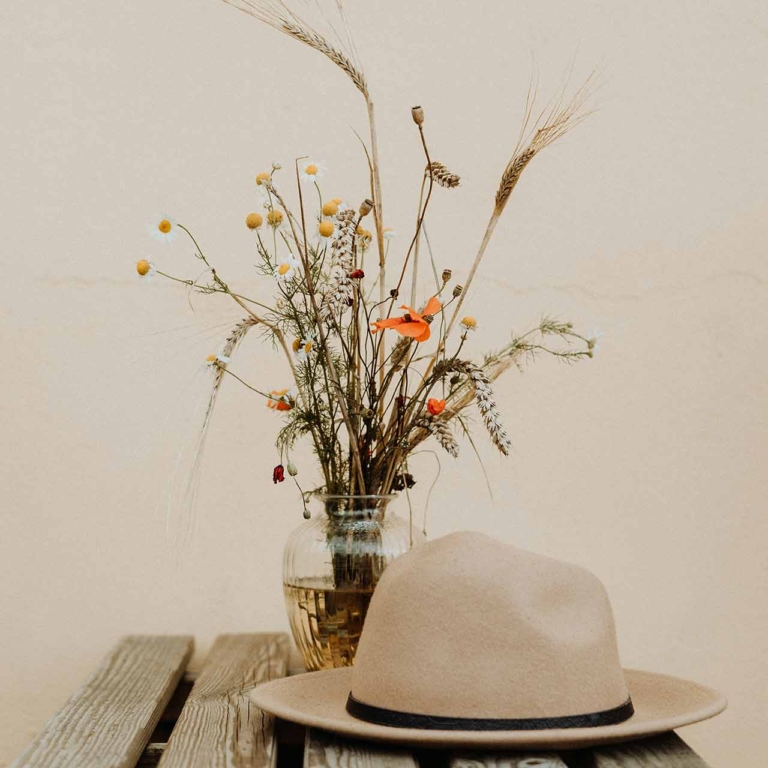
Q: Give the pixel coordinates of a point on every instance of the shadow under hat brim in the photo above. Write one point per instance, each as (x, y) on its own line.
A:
(318, 700)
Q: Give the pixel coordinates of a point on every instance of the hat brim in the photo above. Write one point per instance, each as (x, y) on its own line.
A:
(318, 700)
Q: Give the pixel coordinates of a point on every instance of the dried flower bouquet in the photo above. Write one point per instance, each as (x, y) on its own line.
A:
(374, 375)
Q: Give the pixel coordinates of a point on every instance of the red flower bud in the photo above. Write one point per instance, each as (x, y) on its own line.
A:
(435, 407)
(358, 274)
(278, 474)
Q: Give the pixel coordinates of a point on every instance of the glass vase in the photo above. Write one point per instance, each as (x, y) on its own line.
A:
(331, 566)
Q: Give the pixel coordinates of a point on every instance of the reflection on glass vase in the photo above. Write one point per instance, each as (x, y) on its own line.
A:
(330, 568)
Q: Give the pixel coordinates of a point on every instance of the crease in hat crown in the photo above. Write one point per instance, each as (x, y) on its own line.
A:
(469, 627)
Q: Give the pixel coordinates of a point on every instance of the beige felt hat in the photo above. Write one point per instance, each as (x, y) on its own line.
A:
(474, 643)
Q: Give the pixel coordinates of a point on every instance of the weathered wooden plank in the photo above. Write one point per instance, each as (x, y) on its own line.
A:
(665, 751)
(502, 760)
(107, 723)
(218, 726)
(322, 749)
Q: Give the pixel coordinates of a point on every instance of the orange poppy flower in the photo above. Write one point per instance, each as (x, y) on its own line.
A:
(435, 406)
(278, 401)
(412, 323)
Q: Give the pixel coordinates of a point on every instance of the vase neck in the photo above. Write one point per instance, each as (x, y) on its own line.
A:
(356, 507)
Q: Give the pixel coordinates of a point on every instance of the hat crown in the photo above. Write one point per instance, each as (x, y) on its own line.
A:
(468, 627)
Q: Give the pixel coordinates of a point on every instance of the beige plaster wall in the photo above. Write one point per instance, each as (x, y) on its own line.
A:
(649, 223)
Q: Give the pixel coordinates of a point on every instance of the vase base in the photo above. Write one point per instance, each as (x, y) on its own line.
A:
(326, 622)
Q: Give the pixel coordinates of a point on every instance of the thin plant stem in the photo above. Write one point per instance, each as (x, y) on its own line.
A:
(224, 368)
(378, 216)
(415, 269)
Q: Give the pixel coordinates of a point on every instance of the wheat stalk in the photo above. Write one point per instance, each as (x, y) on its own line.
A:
(236, 335)
(279, 16)
(440, 430)
(319, 43)
(488, 408)
(399, 351)
(443, 176)
(551, 125)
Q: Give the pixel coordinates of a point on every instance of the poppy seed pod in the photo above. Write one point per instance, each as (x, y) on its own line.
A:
(366, 207)
(446, 275)
(418, 115)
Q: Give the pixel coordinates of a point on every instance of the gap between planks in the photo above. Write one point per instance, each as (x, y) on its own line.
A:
(218, 726)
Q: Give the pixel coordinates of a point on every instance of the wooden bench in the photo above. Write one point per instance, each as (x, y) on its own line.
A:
(141, 709)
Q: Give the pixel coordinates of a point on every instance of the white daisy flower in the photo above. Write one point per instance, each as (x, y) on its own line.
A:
(214, 361)
(311, 170)
(146, 269)
(287, 268)
(389, 233)
(593, 342)
(164, 229)
(304, 347)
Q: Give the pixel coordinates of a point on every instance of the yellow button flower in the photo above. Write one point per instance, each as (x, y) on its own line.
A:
(254, 220)
(330, 208)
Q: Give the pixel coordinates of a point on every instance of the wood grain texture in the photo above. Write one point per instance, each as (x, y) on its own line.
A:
(665, 751)
(322, 749)
(107, 723)
(502, 760)
(218, 726)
